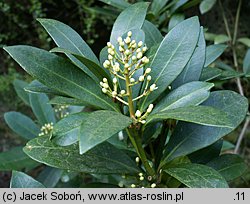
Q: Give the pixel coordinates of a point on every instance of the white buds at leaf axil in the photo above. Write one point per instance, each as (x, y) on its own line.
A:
(104, 90)
(148, 70)
(141, 78)
(114, 80)
(138, 113)
(132, 80)
(140, 44)
(152, 87)
(129, 34)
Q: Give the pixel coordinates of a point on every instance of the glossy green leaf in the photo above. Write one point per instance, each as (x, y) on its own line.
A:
(175, 20)
(206, 154)
(206, 5)
(59, 74)
(246, 63)
(230, 166)
(193, 69)
(209, 73)
(38, 87)
(227, 146)
(203, 115)
(96, 69)
(131, 18)
(213, 52)
(188, 138)
(100, 126)
(21, 125)
(22, 180)
(189, 94)
(50, 176)
(120, 4)
(60, 100)
(102, 159)
(197, 176)
(245, 41)
(65, 37)
(152, 34)
(15, 159)
(66, 131)
(41, 108)
(157, 5)
(229, 74)
(178, 4)
(19, 86)
(172, 56)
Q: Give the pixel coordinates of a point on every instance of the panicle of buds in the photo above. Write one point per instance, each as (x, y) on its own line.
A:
(46, 129)
(124, 60)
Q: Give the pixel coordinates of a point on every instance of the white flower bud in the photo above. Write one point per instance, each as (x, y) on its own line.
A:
(114, 80)
(126, 66)
(137, 159)
(105, 65)
(112, 53)
(141, 78)
(138, 113)
(104, 90)
(105, 85)
(129, 34)
(121, 44)
(105, 80)
(138, 50)
(140, 174)
(141, 178)
(132, 80)
(139, 55)
(121, 49)
(127, 52)
(133, 58)
(110, 57)
(133, 42)
(116, 67)
(152, 87)
(133, 185)
(110, 50)
(119, 39)
(114, 93)
(150, 108)
(153, 185)
(140, 44)
(149, 78)
(101, 83)
(127, 40)
(148, 70)
(120, 135)
(133, 46)
(144, 49)
(122, 92)
(143, 121)
(109, 44)
(169, 87)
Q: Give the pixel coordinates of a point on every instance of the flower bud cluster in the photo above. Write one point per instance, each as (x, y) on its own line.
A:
(46, 129)
(62, 111)
(123, 62)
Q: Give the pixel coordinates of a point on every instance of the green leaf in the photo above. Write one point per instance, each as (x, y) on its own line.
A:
(120, 4)
(213, 52)
(230, 166)
(206, 154)
(15, 159)
(96, 69)
(100, 126)
(152, 34)
(59, 74)
(229, 74)
(245, 41)
(246, 63)
(193, 69)
(65, 37)
(19, 86)
(66, 131)
(157, 5)
(206, 5)
(221, 39)
(189, 94)
(41, 108)
(209, 73)
(38, 87)
(172, 56)
(22, 180)
(102, 159)
(60, 100)
(49, 177)
(175, 20)
(203, 115)
(188, 138)
(197, 176)
(131, 18)
(177, 5)
(21, 125)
